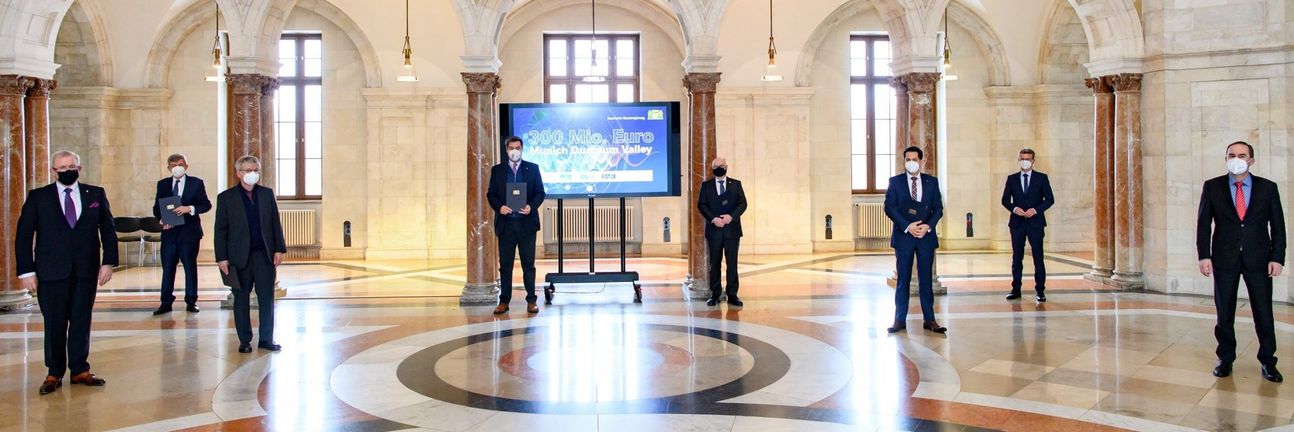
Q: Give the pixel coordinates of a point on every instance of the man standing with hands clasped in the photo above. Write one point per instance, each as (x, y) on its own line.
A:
(1241, 233)
(721, 202)
(1027, 196)
(915, 205)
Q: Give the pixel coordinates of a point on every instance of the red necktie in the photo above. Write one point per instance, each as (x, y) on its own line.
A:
(1240, 199)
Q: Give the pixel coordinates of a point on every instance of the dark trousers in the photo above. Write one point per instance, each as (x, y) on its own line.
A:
(1018, 236)
(259, 275)
(925, 257)
(723, 247)
(514, 239)
(1225, 286)
(175, 251)
(67, 306)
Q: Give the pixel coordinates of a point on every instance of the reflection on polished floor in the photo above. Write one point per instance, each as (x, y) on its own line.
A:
(384, 345)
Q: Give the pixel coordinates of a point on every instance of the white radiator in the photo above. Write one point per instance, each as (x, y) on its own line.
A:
(300, 227)
(872, 222)
(575, 221)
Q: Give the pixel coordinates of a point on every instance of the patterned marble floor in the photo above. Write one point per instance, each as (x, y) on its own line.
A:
(381, 346)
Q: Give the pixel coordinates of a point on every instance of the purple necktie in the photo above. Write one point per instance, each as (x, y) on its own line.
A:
(69, 208)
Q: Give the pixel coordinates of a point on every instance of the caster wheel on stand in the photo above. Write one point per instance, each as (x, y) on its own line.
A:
(549, 292)
(638, 293)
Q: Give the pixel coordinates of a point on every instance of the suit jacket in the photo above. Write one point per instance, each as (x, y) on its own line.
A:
(59, 248)
(1038, 197)
(898, 196)
(710, 204)
(233, 234)
(1261, 235)
(497, 195)
(195, 195)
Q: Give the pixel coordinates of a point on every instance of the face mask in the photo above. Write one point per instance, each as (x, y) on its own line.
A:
(68, 177)
(911, 166)
(251, 178)
(720, 171)
(1237, 166)
(514, 155)
(1026, 165)
(177, 171)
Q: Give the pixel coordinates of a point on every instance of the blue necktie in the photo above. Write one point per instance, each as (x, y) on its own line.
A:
(175, 188)
(1026, 183)
(722, 187)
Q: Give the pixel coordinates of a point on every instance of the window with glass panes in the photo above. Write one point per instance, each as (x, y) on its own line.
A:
(872, 116)
(298, 117)
(568, 64)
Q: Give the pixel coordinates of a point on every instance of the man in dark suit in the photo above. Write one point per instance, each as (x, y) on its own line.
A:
(1240, 232)
(516, 228)
(69, 223)
(1027, 196)
(914, 203)
(180, 243)
(249, 242)
(721, 202)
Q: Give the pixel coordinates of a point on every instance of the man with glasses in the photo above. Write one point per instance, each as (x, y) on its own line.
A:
(249, 242)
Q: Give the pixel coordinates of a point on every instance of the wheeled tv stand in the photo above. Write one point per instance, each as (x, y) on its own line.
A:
(552, 279)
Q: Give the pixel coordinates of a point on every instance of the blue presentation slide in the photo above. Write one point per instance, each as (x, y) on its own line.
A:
(599, 149)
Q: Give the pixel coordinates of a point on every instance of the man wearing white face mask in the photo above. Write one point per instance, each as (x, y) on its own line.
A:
(516, 228)
(914, 203)
(249, 242)
(180, 243)
(1027, 196)
(1240, 233)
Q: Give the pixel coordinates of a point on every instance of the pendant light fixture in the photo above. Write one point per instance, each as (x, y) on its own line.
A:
(408, 75)
(770, 74)
(593, 46)
(217, 54)
(948, 63)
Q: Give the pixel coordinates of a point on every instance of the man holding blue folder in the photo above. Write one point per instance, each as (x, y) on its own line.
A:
(181, 198)
(913, 202)
(516, 192)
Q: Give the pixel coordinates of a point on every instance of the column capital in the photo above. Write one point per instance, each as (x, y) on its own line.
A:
(14, 85)
(920, 82)
(898, 84)
(482, 82)
(1125, 82)
(702, 82)
(271, 86)
(249, 84)
(41, 87)
(1099, 85)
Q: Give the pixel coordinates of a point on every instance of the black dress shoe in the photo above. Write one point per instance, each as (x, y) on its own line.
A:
(1222, 370)
(734, 301)
(1042, 298)
(712, 301)
(51, 383)
(897, 327)
(161, 310)
(192, 308)
(1271, 374)
(1013, 296)
(934, 327)
(269, 346)
(244, 348)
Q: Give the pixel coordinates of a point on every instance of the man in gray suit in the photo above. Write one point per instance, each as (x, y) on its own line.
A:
(249, 242)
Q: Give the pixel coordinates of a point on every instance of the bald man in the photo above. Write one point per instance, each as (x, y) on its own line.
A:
(721, 202)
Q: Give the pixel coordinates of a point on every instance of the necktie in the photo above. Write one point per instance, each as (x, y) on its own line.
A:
(69, 208)
(722, 187)
(175, 188)
(913, 189)
(1240, 199)
(1026, 182)
(514, 169)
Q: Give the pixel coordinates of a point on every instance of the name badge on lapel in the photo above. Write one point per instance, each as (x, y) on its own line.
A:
(912, 211)
(725, 202)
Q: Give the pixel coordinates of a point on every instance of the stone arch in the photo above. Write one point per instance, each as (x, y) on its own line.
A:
(653, 12)
(1064, 48)
(196, 14)
(986, 40)
(28, 30)
(81, 47)
(1114, 35)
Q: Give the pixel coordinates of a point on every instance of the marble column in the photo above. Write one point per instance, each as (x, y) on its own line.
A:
(245, 121)
(269, 134)
(701, 88)
(13, 185)
(901, 121)
(482, 149)
(36, 115)
(1128, 216)
(1103, 171)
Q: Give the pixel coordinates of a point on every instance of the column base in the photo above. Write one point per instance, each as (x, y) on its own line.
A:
(1099, 275)
(479, 294)
(935, 285)
(1128, 281)
(15, 300)
(696, 289)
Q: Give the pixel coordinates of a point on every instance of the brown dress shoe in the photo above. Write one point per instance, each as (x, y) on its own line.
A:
(501, 309)
(532, 308)
(88, 379)
(51, 383)
(934, 327)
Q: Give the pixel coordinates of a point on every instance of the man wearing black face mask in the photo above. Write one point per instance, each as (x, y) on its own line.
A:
(722, 201)
(69, 223)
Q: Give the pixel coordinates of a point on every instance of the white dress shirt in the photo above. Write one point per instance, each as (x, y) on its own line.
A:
(180, 181)
(718, 190)
(1022, 182)
(918, 189)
